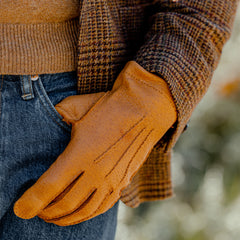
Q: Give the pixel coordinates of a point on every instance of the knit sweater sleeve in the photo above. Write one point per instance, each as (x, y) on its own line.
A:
(183, 46)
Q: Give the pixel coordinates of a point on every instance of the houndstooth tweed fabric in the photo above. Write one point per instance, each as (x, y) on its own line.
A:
(179, 40)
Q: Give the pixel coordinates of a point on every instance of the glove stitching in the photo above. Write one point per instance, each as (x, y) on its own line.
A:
(125, 152)
(143, 82)
(96, 160)
(156, 89)
(94, 105)
(106, 150)
(132, 159)
(55, 219)
(111, 191)
(135, 155)
(54, 196)
(99, 206)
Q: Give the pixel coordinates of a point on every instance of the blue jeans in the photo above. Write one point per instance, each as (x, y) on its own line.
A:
(32, 135)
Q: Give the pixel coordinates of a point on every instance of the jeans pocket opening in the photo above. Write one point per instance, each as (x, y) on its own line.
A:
(49, 106)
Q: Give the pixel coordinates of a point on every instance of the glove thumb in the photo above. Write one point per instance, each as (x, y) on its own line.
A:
(75, 107)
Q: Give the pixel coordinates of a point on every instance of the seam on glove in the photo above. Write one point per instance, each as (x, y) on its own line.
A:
(70, 117)
(95, 104)
(60, 191)
(96, 160)
(156, 89)
(125, 152)
(110, 192)
(134, 157)
(61, 217)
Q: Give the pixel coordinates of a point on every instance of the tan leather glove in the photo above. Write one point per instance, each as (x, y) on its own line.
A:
(108, 146)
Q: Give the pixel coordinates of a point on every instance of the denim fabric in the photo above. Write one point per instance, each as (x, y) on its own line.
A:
(32, 135)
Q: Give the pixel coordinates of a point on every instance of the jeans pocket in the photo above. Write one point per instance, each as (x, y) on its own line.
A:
(58, 92)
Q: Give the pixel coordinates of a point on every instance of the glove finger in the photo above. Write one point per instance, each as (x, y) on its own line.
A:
(84, 212)
(53, 182)
(71, 199)
(139, 154)
(94, 206)
(107, 204)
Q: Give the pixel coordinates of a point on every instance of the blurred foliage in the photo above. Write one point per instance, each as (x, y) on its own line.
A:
(205, 168)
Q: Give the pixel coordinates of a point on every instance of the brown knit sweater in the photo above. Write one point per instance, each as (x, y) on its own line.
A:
(38, 36)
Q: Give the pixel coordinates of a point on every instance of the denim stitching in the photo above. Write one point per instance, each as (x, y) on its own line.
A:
(49, 103)
(26, 87)
(1, 96)
(22, 87)
(49, 114)
(30, 85)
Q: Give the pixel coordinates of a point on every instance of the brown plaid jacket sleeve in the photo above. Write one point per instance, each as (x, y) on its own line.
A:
(183, 46)
(180, 40)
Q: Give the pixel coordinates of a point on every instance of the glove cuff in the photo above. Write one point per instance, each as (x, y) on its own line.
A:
(137, 72)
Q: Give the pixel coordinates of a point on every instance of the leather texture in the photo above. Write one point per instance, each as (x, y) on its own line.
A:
(113, 133)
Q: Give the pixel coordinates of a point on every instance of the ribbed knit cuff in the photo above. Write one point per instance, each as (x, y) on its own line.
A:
(38, 48)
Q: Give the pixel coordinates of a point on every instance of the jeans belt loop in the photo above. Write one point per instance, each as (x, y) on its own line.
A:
(26, 86)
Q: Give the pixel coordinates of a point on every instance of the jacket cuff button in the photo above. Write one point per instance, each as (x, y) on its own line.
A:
(186, 127)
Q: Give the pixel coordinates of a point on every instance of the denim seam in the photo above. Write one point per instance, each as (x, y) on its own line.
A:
(1, 95)
(30, 85)
(21, 77)
(49, 114)
(26, 87)
(49, 103)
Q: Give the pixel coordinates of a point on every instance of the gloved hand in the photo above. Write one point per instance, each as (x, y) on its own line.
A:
(109, 144)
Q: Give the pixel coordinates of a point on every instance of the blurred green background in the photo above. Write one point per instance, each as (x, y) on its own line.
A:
(205, 168)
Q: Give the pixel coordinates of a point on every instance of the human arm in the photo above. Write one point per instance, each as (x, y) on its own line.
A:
(172, 50)
(109, 143)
